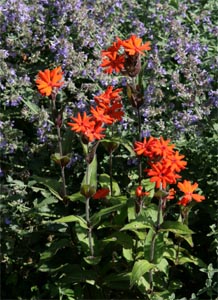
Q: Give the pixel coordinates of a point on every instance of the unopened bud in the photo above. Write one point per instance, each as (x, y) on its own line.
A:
(87, 190)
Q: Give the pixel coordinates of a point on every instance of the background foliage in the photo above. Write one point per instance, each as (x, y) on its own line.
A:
(42, 259)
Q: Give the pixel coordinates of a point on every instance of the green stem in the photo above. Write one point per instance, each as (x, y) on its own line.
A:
(62, 167)
(59, 146)
(177, 252)
(139, 123)
(110, 170)
(140, 201)
(89, 227)
(184, 218)
(152, 249)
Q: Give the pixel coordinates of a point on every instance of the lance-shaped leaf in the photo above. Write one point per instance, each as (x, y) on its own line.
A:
(128, 145)
(188, 239)
(136, 225)
(90, 177)
(95, 219)
(175, 227)
(117, 281)
(104, 180)
(191, 259)
(51, 184)
(140, 222)
(139, 269)
(77, 197)
(72, 218)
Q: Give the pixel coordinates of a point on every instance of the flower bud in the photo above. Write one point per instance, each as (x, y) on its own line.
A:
(87, 190)
(110, 146)
(132, 65)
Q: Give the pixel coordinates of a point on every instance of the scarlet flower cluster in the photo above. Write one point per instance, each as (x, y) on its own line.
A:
(165, 164)
(114, 58)
(107, 111)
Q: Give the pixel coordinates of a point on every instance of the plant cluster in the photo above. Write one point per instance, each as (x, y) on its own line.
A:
(107, 149)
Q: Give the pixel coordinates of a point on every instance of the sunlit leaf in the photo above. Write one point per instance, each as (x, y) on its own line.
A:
(77, 197)
(175, 227)
(72, 218)
(92, 260)
(139, 269)
(104, 181)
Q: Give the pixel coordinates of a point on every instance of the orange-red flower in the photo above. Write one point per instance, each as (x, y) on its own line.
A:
(145, 148)
(110, 101)
(108, 95)
(115, 111)
(113, 62)
(163, 148)
(134, 45)
(81, 123)
(187, 188)
(101, 193)
(175, 162)
(95, 132)
(113, 49)
(48, 80)
(161, 175)
(100, 115)
(86, 125)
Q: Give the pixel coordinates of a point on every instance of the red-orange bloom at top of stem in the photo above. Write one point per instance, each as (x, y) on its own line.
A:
(108, 95)
(48, 80)
(95, 132)
(100, 115)
(175, 162)
(163, 148)
(134, 45)
(112, 49)
(161, 175)
(113, 62)
(187, 188)
(81, 123)
(87, 126)
(110, 101)
(146, 147)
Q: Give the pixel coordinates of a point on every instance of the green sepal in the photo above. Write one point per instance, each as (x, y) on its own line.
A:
(60, 160)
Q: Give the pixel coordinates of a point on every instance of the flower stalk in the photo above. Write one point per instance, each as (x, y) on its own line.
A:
(111, 171)
(152, 247)
(57, 115)
(89, 227)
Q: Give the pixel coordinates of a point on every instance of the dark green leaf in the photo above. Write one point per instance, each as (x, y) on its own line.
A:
(52, 184)
(95, 219)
